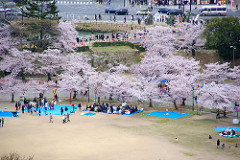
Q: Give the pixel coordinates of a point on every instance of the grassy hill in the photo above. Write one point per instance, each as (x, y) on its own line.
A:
(206, 56)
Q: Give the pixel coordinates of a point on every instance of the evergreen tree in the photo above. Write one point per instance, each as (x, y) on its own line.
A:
(41, 9)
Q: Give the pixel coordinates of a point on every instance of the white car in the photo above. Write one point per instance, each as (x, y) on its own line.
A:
(143, 12)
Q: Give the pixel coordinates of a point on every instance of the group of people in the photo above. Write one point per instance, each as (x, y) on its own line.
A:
(35, 105)
(223, 145)
(120, 109)
(228, 133)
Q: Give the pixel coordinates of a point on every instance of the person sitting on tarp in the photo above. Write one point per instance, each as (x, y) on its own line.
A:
(233, 132)
(223, 132)
(96, 109)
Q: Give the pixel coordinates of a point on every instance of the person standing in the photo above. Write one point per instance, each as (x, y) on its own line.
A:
(16, 106)
(132, 17)
(73, 107)
(0, 122)
(99, 17)
(95, 17)
(51, 117)
(68, 117)
(237, 7)
(22, 108)
(45, 110)
(61, 110)
(139, 21)
(218, 143)
(218, 114)
(79, 106)
(125, 19)
(64, 119)
(114, 18)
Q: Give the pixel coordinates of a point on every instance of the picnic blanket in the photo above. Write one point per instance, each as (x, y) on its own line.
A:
(219, 129)
(167, 114)
(8, 113)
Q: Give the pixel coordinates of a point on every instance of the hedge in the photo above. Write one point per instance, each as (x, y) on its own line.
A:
(107, 44)
(82, 49)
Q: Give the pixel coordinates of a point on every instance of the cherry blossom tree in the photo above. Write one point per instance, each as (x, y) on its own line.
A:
(215, 72)
(50, 61)
(216, 96)
(9, 86)
(17, 62)
(95, 82)
(190, 37)
(162, 40)
(68, 35)
(40, 88)
(234, 74)
(118, 86)
(6, 41)
(145, 90)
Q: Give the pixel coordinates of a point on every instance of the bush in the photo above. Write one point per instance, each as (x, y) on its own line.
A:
(85, 25)
(82, 49)
(14, 156)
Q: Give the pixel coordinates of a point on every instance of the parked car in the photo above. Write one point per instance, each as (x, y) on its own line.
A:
(110, 10)
(163, 10)
(143, 12)
(122, 12)
(175, 12)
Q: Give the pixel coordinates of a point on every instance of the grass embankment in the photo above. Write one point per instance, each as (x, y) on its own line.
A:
(115, 55)
(107, 27)
(206, 56)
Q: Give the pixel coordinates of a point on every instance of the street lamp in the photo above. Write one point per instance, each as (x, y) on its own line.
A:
(193, 95)
(233, 47)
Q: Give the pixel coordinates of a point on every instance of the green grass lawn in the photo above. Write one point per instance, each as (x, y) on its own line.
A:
(192, 132)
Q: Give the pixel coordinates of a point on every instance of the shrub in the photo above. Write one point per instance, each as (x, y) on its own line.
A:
(14, 156)
(107, 44)
(82, 49)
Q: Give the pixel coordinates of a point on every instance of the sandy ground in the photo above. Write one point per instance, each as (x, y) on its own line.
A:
(96, 137)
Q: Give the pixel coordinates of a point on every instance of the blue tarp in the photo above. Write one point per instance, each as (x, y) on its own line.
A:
(8, 113)
(167, 114)
(219, 129)
(89, 114)
(57, 110)
(116, 113)
(154, 80)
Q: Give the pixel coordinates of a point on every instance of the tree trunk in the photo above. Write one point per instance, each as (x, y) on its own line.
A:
(40, 95)
(12, 97)
(193, 52)
(150, 102)
(183, 101)
(49, 76)
(99, 100)
(175, 104)
(110, 97)
(23, 75)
